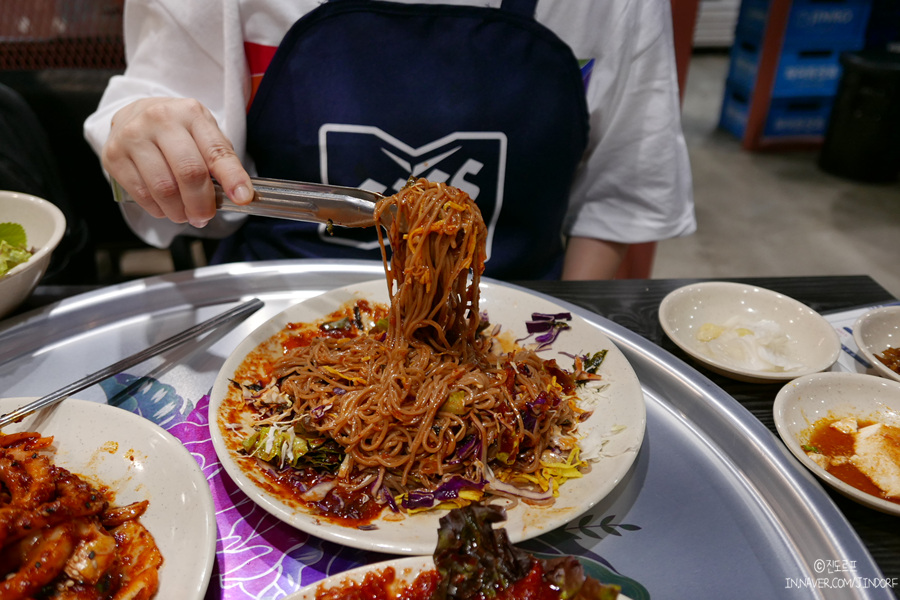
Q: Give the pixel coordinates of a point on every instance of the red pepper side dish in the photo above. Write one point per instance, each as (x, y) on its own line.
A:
(59, 536)
(891, 359)
(474, 561)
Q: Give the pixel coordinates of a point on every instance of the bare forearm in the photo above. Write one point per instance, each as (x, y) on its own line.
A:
(588, 258)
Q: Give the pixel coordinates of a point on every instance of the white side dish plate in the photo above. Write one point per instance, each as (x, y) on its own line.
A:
(405, 569)
(803, 402)
(874, 332)
(619, 419)
(137, 460)
(748, 333)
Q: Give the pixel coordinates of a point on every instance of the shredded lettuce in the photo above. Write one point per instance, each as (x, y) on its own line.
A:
(13, 247)
(283, 447)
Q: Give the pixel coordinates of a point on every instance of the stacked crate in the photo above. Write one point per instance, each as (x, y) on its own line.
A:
(785, 68)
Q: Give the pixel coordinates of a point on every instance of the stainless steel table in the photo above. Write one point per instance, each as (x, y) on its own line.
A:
(714, 506)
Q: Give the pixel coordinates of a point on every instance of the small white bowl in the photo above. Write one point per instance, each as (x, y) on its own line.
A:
(44, 226)
(804, 401)
(797, 336)
(874, 332)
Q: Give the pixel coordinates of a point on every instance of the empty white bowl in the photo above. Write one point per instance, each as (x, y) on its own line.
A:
(874, 332)
(44, 226)
(765, 336)
(804, 401)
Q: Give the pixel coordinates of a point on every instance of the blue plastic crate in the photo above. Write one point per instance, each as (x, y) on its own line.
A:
(735, 109)
(787, 118)
(803, 70)
(798, 117)
(811, 20)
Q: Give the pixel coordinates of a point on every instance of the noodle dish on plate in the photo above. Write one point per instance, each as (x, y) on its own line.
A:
(364, 414)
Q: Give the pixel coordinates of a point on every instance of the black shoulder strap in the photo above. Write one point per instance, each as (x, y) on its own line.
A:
(521, 7)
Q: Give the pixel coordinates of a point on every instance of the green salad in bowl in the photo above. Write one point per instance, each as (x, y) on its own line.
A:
(14, 249)
(30, 230)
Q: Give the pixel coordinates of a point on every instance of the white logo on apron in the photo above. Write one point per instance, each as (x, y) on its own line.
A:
(474, 162)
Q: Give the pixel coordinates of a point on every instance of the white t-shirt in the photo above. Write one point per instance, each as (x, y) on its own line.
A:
(634, 184)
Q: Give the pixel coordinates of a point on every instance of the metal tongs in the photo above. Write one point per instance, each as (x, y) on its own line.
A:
(298, 201)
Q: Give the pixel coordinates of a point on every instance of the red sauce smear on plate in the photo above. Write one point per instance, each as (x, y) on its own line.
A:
(383, 585)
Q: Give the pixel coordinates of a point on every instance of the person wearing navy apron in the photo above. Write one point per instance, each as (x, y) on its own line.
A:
(365, 94)
(570, 159)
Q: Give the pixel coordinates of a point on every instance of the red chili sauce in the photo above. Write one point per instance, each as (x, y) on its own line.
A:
(383, 585)
(350, 509)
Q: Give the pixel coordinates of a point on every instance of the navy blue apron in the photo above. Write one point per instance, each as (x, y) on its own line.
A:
(363, 93)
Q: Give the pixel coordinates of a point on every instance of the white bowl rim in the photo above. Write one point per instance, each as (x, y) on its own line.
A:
(867, 353)
(59, 229)
(767, 376)
(786, 393)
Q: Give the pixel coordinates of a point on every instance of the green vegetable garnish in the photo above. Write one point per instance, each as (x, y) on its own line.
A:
(13, 246)
(380, 325)
(276, 445)
(456, 403)
(808, 448)
(593, 361)
(342, 323)
(283, 447)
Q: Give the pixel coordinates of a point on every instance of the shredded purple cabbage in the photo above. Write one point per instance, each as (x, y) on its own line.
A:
(548, 325)
(449, 490)
(536, 408)
(318, 412)
(471, 445)
(563, 316)
(388, 499)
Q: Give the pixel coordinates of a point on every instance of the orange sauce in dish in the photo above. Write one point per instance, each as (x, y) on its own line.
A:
(832, 442)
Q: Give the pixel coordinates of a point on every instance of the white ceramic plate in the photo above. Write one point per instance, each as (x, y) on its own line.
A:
(137, 460)
(807, 342)
(621, 405)
(405, 569)
(802, 402)
(874, 332)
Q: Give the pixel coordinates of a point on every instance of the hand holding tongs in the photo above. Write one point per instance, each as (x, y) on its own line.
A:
(298, 201)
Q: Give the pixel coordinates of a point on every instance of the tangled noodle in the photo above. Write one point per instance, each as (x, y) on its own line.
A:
(429, 400)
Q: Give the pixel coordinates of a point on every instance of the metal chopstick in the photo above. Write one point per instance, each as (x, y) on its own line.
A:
(238, 313)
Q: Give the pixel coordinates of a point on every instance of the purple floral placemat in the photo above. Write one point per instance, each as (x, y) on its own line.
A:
(257, 555)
